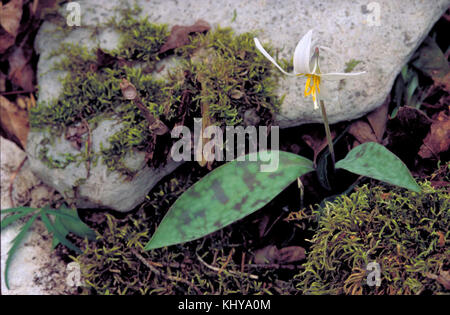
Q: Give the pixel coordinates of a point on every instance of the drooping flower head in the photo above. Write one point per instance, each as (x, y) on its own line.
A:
(307, 65)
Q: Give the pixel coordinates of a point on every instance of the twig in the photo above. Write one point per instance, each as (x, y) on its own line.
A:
(12, 178)
(89, 144)
(227, 261)
(229, 271)
(17, 92)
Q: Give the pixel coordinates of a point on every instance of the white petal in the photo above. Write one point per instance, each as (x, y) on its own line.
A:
(302, 54)
(266, 54)
(334, 76)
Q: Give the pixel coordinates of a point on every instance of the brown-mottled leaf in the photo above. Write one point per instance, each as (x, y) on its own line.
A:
(10, 15)
(438, 139)
(227, 194)
(14, 120)
(20, 71)
(179, 35)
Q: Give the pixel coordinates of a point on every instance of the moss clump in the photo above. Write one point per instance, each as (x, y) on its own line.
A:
(229, 79)
(404, 232)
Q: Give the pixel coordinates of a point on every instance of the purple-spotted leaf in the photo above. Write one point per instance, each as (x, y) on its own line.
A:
(228, 194)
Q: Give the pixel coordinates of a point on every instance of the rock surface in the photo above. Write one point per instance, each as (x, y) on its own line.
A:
(102, 188)
(35, 269)
(382, 35)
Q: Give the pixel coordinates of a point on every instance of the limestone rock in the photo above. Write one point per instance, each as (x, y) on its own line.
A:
(381, 34)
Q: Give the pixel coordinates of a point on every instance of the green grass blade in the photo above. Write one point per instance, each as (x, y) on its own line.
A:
(375, 161)
(225, 195)
(61, 238)
(15, 245)
(61, 229)
(13, 218)
(71, 221)
(18, 209)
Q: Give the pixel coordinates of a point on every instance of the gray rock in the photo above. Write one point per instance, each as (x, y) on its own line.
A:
(353, 29)
(102, 188)
(382, 43)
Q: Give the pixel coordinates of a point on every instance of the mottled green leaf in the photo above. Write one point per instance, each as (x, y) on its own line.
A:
(374, 160)
(226, 195)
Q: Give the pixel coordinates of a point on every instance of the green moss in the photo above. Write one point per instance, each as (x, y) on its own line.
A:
(349, 66)
(231, 78)
(65, 159)
(404, 232)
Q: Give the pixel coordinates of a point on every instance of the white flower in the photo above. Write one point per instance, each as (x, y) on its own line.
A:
(302, 67)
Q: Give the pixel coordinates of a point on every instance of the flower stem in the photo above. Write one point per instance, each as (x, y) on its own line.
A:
(327, 131)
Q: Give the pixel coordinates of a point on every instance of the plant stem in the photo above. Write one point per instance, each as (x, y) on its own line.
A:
(327, 131)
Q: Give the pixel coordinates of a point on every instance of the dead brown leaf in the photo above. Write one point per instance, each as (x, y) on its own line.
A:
(374, 129)
(272, 255)
(317, 142)
(291, 254)
(438, 139)
(378, 119)
(179, 35)
(362, 132)
(10, 16)
(2, 82)
(14, 120)
(266, 255)
(443, 278)
(6, 40)
(20, 71)
(74, 135)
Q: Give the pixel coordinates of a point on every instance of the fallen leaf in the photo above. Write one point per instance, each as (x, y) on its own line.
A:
(378, 119)
(266, 255)
(441, 238)
(20, 71)
(10, 16)
(438, 139)
(362, 132)
(432, 62)
(179, 35)
(272, 255)
(14, 121)
(2, 82)
(129, 91)
(317, 142)
(74, 134)
(291, 254)
(6, 40)
(443, 278)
